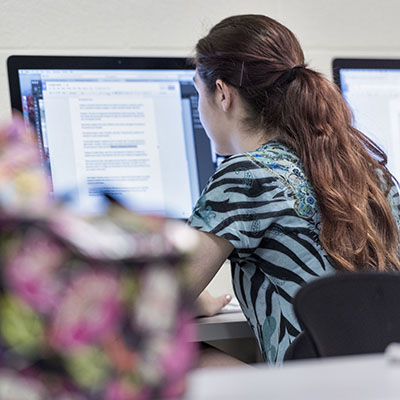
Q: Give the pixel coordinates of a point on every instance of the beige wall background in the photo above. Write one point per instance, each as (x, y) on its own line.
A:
(326, 29)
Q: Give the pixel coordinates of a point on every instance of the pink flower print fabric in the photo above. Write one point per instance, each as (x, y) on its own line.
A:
(88, 311)
(30, 268)
(23, 183)
(90, 308)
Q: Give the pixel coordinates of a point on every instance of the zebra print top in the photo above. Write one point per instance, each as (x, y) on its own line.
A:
(262, 202)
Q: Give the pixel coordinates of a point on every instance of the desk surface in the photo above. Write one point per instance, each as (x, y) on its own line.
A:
(223, 326)
(367, 377)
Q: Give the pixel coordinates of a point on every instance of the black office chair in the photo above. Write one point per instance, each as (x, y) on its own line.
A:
(347, 313)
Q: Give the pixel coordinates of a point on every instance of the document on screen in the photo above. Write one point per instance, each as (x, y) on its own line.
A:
(116, 147)
(123, 138)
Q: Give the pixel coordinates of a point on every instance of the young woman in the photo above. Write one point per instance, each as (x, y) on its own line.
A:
(303, 193)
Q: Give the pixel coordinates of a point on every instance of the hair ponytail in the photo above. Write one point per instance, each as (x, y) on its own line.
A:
(347, 171)
(265, 62)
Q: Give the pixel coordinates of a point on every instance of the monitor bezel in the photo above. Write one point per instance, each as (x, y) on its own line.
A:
(361, 63)
(15, 63)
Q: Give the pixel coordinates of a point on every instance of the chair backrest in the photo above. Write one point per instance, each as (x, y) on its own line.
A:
(350, 313)
(302, 347)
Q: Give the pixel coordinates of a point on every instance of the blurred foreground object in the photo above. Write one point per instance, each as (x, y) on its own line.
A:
(24, 186)
(89, 308)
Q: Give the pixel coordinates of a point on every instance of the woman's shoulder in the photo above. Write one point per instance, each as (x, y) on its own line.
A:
(276, 156)
(272, 155)
(232, 163)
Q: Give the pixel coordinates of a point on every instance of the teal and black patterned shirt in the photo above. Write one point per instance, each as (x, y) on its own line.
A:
(262, 202)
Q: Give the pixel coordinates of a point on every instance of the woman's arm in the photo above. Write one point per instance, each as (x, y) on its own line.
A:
(210, 254)
(207, 305)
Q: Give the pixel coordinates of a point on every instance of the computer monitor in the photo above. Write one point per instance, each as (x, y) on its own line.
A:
(371, 87)
(128, 127)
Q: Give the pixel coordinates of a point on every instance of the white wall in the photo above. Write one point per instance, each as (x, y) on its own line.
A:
(326, 29)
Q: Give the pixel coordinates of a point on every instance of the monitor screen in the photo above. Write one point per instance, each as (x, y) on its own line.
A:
(372, 90)
(126, 127)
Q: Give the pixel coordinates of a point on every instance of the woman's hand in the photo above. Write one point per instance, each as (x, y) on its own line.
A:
(207, 305)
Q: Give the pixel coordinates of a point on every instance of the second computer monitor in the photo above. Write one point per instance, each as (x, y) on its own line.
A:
(371, 87)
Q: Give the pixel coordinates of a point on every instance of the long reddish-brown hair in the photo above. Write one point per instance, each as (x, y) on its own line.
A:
(256, 54)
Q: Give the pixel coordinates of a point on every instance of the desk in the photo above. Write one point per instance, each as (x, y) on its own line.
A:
(223, 326)
(366, 377)
(230, 333)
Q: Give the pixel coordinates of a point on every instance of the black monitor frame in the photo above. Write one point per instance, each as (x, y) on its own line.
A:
(384, 64)
(361, 63)
(15, 63)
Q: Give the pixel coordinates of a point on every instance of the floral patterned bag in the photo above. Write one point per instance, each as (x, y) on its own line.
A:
(89, 308)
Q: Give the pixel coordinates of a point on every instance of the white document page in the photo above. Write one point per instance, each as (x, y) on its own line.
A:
(124, 137)
(116, 147)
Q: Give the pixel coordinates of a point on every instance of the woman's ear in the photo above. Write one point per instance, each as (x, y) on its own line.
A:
(224, 95)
